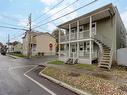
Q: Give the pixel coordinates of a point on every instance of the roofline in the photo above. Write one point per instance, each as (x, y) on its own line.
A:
(89, 13)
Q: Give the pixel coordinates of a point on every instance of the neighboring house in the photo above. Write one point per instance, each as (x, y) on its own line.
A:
(18, 47)
(95, 35)
(41, 44)
(15, 47)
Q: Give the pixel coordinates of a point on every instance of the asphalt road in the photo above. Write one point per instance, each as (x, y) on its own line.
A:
(14, 82)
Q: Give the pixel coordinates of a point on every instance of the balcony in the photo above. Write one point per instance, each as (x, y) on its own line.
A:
(73, 36)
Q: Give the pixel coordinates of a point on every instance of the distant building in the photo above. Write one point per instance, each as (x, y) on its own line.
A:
(41, 44)
(15, 47)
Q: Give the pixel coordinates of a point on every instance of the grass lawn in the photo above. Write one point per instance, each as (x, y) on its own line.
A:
(56, 62)
(18, 55)
(85, 66)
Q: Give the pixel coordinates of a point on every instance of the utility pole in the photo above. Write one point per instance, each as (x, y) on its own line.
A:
(29, 37)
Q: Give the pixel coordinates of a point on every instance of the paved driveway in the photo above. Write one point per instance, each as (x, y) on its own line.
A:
(13, 81)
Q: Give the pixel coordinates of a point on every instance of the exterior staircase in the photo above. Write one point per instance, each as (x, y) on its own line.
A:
(106, 55)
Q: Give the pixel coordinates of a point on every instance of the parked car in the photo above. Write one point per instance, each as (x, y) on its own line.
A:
(3, 50)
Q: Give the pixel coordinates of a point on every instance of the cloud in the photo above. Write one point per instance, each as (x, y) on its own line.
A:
(48, 2)
(51, 26)
(11, 0)
(124, 18)
(23, 22)
(63, 19)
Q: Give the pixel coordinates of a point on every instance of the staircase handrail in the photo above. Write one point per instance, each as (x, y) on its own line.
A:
(111, 55)
(100, 47)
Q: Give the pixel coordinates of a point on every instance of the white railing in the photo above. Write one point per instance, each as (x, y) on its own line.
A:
(83, 34)
(64, 38)
(73, 36)
(84, 54)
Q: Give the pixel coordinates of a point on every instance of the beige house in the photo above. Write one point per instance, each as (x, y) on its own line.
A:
(93, 36)
(41, 44)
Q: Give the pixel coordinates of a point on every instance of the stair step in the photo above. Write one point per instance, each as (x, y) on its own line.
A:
(106, 56)
(106, 53)
(105, 66)
(106, 49)
(104, 63)
(105, 60)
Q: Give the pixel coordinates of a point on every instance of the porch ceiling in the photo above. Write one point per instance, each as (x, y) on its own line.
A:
(98, 14)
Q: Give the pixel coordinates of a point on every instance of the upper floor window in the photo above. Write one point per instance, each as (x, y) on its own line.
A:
(73, 30)
(81, 28)
(94, 28)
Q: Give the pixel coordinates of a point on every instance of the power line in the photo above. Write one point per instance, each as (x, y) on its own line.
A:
(10, 18)
(11, 24)
(66, 14)
(13, 28)
(17, 36)
(48, 10)
(59, 11)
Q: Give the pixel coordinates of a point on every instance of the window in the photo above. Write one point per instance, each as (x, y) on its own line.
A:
(81, 28)
(73, 30)
(94, 28)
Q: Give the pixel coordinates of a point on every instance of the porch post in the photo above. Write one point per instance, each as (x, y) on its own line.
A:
(90, 44)
(77, 29)
(77, 38)
(69, 31)
(59, 43)
(69, 39)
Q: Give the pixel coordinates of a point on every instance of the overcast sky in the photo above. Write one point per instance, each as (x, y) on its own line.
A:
(16, 12)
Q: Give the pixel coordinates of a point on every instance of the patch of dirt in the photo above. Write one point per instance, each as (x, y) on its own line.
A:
(102, 75)
(73, 74)
(123, 88)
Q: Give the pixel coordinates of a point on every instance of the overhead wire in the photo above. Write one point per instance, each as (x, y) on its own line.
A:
(48, 10)
(65, 14)
(59, 10)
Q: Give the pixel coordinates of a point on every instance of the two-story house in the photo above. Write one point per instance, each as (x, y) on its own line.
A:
(95, 35)
(40, 44)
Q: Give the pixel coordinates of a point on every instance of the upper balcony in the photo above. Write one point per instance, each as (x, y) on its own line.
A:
(75, 36)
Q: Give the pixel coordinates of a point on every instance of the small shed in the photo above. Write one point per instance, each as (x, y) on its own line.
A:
(122, 56)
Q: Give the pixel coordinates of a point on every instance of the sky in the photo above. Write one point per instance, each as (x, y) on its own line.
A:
(15, 13)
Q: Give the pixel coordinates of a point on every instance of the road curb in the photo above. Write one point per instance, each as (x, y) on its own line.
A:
(15, 57)
(79, 92)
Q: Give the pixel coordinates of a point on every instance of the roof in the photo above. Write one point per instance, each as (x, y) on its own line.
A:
(109, 10)
(43, 33)
(39, 34)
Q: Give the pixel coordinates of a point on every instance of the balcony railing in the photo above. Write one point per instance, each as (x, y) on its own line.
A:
(64, 38)
(83, 34)
(73, 36)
